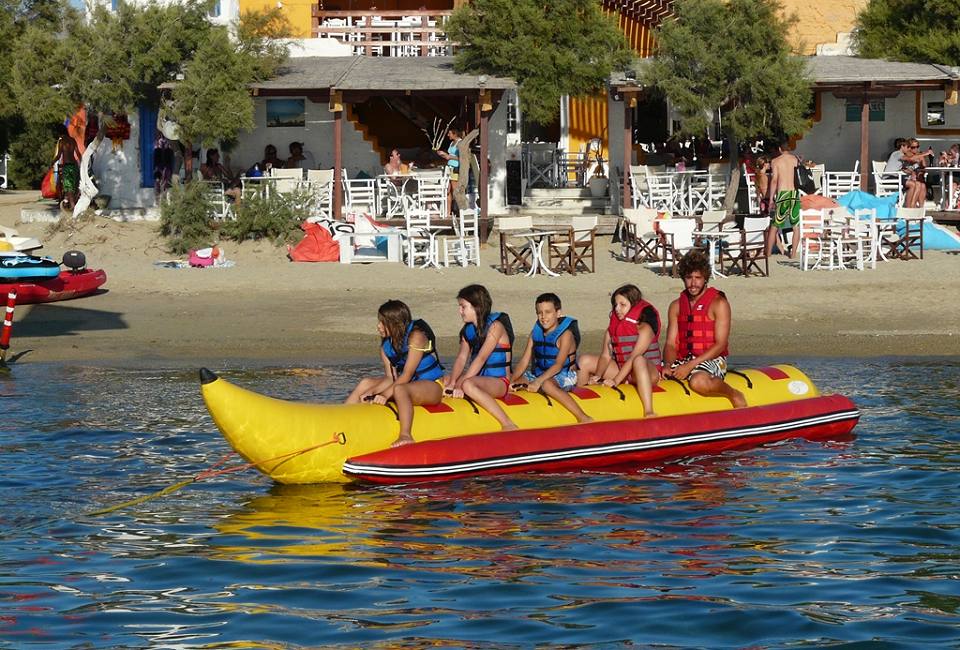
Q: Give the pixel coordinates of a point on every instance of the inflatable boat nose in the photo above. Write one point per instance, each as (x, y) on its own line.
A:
(207, 376)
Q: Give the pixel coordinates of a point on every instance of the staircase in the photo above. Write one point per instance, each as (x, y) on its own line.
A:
(552, 207)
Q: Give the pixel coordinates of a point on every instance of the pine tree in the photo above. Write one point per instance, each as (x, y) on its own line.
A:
(910, 30)
(561, 47)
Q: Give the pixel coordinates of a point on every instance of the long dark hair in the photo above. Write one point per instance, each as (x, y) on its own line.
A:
(479, 298)
(395, 316)
(629, 291)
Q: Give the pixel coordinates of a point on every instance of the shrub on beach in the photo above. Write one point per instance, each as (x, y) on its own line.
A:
(185, 218)
(276, 216)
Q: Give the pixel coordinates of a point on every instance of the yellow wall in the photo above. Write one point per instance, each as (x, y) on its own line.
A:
(819, 22)
(298, 12)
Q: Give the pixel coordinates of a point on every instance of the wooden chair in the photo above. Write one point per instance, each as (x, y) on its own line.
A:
(575, 250)
(750, 252)
(909, 244)
(677, 239)
(638, 241)
(516, 255)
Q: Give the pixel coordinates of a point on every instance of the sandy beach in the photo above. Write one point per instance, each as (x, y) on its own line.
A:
(267, 308)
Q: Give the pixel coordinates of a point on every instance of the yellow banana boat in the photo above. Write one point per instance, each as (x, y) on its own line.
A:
(297, 442)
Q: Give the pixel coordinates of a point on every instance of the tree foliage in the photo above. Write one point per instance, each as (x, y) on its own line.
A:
(909, 30)
(562, 47)
(213, 100)
(114, 61)
(732, 55)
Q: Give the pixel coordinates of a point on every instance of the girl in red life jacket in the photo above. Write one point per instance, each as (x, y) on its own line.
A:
(412, 374)
(631, 348)
(483, 366)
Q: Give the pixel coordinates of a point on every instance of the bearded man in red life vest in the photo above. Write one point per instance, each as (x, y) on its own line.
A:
(697, 333)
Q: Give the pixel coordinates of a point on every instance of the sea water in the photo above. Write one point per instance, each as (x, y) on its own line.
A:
(798, 544)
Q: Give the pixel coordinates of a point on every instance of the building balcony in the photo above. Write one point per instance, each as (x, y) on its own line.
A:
(408, 32)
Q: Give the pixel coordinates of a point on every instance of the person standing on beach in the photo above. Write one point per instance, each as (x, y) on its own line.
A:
(785, 206)
(69, 159)
(697, 333)
(452, 156)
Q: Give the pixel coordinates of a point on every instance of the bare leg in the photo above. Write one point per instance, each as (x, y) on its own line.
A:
(451, 190)
(552, 390)
(484, 391)
(709, 386)
(587, 366)
(642, 376)
(407, 396)
(367, 386)
(794, 241)
(771, 239)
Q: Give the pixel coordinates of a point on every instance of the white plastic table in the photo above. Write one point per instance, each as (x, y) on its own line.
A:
(537, 238)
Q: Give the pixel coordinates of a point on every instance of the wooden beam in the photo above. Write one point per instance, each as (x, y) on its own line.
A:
(629, 101)
(484, 168)
(337, 162)
(865, 166)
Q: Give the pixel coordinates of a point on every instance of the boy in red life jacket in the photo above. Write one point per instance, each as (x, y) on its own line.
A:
(552, 347)
(697, 332)
(631, 347)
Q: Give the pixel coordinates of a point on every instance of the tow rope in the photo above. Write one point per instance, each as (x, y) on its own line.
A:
(213, 471)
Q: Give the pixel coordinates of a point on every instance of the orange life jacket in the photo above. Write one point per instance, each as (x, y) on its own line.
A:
(695, 329)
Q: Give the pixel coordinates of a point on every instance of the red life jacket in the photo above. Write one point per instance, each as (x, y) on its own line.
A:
(624, 334)
(695, 330)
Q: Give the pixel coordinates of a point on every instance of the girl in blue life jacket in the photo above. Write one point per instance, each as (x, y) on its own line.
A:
(631, 347)
(412, 372)
(482, 369)
(552, 347)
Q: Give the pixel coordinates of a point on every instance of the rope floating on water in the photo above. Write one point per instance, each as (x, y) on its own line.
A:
(213, 471)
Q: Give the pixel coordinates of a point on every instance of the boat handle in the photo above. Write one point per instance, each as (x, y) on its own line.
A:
(682, 385)
(744, 375)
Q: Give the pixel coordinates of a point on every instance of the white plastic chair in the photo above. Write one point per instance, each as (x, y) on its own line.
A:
(812, 241)
(886, 183)
(464, 249)
(867, 229)
(360, 195)
(288, 180)
(638, 185)
(660, 191)
(753, 201)
(419, 244)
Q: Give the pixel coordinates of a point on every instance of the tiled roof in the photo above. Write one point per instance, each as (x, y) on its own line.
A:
(378, 74)
(840, 70)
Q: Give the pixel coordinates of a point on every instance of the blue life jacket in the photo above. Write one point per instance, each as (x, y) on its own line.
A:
(498, 363)
(545, 348)
(429, 367)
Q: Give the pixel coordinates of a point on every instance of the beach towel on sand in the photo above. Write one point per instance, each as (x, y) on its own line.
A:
(317, 245)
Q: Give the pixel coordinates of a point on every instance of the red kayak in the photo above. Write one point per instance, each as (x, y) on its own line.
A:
(66, 286)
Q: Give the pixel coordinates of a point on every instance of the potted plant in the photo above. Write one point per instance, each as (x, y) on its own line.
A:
(598, 183)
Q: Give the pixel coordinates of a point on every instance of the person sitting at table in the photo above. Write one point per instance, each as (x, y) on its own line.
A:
(914, 165)
(395, 165)
(213, 170)
(299, 157)
(270, 159)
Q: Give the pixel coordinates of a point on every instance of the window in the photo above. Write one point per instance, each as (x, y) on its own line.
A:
(214, 10)
(935, 114)
(877, 110)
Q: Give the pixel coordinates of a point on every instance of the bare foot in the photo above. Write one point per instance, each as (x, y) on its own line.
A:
(404, 439)
(650, 414)
(509, 427)
(738, 400)
(586, 418)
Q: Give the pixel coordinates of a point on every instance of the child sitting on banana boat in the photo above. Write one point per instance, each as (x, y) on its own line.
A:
(552, 347)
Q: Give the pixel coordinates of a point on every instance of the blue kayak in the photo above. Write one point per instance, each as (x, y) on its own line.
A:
(17, 266)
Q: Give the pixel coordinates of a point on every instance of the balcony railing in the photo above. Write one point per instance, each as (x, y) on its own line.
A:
(386, 33)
